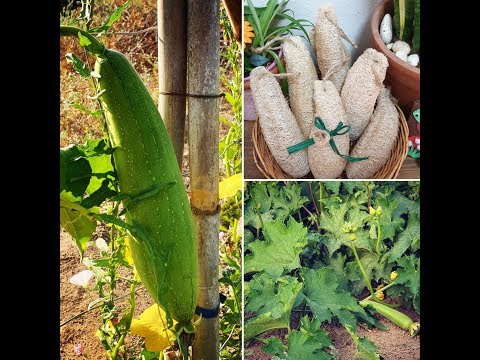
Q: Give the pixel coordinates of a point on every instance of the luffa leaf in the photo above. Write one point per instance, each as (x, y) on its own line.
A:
(408, 237)
(333, 221)
(326, 301)
(267, 295)
(306, 344)
(389, 223)
(280, 251)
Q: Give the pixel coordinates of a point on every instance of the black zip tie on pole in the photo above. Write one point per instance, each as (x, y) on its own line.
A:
(192, 95)
(210, 313)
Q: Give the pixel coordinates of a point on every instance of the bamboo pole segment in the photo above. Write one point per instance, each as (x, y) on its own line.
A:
(172, 69)
(203, 60)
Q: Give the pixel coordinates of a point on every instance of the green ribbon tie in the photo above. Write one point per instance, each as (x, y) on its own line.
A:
(339, 130)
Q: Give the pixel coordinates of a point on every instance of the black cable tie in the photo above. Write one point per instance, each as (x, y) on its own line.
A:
(193, 95)
(207, 313)
(211, 313)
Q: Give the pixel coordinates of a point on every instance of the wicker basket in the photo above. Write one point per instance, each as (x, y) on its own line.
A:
(271, 170)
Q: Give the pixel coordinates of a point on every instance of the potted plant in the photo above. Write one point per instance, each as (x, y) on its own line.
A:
(261, 29)
(401, 24)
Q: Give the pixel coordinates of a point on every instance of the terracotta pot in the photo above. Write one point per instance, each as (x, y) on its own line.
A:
(401, 76)
(249, 111)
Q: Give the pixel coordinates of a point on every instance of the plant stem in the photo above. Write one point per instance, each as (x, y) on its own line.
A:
(95, 46)
(379, 236)
(369, 195)
(321, 196)
(382, 289)
(313, 198)
(114, 354)
(364, 273)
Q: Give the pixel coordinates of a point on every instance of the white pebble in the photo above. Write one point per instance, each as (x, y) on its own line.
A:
(413, 59)
(390, 46)
(400, 45)
(417, 141)
(386, 32)
(402, 55)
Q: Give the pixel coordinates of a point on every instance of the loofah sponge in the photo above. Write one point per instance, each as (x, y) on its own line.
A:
(278, 124)
(378, 140)
(361, 88)
(324, 162)
(299, 65)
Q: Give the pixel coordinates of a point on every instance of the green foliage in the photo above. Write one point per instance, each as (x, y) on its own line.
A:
(272, 300)
(230, 146)
(280, 251)
(267, 24)
(403, 18)
(334, 258)
(416, 28)
(326, 301)
(308, 343)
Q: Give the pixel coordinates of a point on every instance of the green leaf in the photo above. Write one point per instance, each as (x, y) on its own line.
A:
(390, 224)
(280, 251)
(287, 201)
(409, 273)
(366, 349)
(77, 222)
(274, 346)
(262, 323)
(99, 196)
(75, 170)
(276, 297)
(78, 65)
(405, 205)
(403, 19)
(332, 186)
(309, 342)
(409, 236)
(114, 17)
(416, 28)
(326, 301)
(335, 218)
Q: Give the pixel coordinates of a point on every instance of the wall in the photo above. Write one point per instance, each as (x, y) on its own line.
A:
(353, 16)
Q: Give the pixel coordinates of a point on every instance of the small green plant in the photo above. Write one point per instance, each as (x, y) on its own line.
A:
(406, 21)
(230, 147)
(267, 26)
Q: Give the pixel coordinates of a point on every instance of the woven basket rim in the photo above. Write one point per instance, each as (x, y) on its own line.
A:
(267, 165)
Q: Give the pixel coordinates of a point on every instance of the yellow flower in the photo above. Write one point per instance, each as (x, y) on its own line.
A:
(380, 295)
(151, 325)
(393, 275)
(248, 33)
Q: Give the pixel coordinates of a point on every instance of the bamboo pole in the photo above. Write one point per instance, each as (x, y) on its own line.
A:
(172, 69)
(203, 54)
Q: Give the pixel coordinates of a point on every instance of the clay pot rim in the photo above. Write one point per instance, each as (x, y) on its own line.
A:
(378, 13)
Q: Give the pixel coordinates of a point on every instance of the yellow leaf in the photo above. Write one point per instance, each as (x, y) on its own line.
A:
(230, 186)
(151, 325)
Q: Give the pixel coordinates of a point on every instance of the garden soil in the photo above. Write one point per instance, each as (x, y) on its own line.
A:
(75, 299)
(393, 344)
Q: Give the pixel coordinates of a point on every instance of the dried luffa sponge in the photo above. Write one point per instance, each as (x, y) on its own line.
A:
(332, 55)
(361, 88)
(279, 127)
(324, 162)
(378, 139)
(300, 66)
